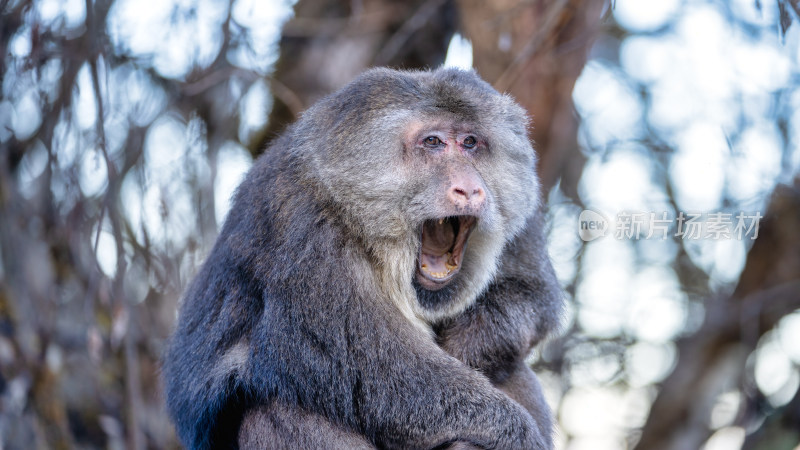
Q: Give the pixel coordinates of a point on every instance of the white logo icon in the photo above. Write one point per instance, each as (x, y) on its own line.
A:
(591, 225)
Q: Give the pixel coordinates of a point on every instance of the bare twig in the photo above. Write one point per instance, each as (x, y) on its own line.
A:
(287, 96)
(418, 20)
(512, 72)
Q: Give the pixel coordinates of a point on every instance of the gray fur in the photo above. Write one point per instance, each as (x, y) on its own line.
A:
(305, 327)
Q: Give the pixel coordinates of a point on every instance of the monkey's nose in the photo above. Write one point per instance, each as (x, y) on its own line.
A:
(467, 197)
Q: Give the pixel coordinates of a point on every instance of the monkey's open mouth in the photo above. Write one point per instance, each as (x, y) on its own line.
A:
(443, 243)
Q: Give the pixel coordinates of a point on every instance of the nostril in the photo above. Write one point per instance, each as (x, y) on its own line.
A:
(467, 196)
(466, 190)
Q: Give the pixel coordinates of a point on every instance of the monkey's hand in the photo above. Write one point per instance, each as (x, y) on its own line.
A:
(507, 371)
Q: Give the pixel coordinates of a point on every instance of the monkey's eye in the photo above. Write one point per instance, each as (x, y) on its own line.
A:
(432, 141)
(470, 141)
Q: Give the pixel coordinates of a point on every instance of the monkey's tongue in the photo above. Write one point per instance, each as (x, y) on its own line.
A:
(438, 266)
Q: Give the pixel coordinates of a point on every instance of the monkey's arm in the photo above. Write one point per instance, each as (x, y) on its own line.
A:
(382, 379)
(522, 306)
(281, 427)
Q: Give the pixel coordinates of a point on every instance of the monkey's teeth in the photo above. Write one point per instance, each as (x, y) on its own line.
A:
(448, 268)
(441, 221)
(447, 264)
(435, 274)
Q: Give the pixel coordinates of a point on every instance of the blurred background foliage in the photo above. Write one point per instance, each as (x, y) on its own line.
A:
(125, 125)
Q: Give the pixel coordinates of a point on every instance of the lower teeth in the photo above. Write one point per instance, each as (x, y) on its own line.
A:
(448, 267)
(440, 274)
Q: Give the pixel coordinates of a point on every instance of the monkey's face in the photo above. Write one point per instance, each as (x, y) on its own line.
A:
(447, 154)
(471, 186)
(434, 173)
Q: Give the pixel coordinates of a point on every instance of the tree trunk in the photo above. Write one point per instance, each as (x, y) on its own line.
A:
(329, 42)
(535, 50)
(713, 359)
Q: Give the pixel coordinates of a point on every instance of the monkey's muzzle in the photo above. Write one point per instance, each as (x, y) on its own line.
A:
(444, 241)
